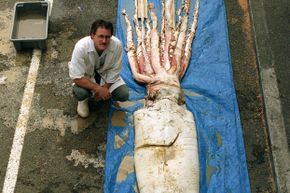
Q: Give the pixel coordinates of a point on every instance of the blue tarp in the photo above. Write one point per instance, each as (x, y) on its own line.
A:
(210, 96)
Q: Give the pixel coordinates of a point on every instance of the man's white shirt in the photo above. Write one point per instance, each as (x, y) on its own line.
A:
(85, 60)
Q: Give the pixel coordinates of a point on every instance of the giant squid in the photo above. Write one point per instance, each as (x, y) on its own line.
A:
(166, 148)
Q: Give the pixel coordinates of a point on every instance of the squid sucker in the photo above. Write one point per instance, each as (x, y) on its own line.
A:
(166, 149)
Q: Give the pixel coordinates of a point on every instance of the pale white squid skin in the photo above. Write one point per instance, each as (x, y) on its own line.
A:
(166, 153)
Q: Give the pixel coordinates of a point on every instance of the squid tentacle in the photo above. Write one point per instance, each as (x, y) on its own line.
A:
(131, 52)
(169, 35)
(191, 34)
(155, 51)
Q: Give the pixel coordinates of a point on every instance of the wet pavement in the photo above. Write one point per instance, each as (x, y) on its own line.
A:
(260, 52)
(277, 16)
(250, 97)
(270, 20)
(63, 153)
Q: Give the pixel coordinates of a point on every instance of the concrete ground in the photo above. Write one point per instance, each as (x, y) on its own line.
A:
(250, 97)
(61, 152)
(72, 149)
(270, 20)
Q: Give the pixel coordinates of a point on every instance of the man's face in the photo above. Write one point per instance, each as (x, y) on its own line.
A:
(101, 39)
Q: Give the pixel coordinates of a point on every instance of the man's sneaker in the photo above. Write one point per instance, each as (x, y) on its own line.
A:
(83, 108)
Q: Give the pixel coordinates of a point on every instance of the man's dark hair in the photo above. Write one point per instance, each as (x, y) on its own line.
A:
(103, 24)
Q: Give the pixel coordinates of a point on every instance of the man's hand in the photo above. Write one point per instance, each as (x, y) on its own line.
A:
(102, 93)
